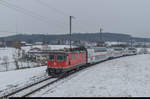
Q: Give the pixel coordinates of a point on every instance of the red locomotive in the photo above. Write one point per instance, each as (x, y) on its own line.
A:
(65, 60)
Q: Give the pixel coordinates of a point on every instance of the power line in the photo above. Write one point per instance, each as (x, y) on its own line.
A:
(51, 7)
(25, 11)
(59, 11)
(35, 15)
(19, 9)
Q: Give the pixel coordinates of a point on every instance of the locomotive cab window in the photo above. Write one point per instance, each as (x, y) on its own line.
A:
(60, 58)
(51, 57)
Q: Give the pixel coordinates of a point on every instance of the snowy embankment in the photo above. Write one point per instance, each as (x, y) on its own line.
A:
(7, 61)
(6, 54)
(128, 76)
(18, 78)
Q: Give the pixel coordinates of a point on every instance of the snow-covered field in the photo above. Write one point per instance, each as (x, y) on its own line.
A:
(18, 78)
(124, 77)
(7, 54)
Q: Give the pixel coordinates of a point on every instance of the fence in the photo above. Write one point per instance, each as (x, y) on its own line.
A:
(9, 66)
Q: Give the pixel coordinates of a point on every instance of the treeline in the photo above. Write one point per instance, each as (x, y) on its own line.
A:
(91, 37)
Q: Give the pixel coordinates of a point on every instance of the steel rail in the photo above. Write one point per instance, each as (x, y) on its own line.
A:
(24, 88)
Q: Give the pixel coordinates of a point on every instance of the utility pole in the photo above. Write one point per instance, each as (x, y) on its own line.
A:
(144, 44)
(101, 34)
(44, 40)
(16, 26)
(70, 30)
(131, 42)
(71, 17)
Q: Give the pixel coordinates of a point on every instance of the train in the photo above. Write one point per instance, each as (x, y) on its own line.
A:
(65, 60)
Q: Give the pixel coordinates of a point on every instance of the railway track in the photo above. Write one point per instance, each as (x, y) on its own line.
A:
(33, 88)
(25, 91)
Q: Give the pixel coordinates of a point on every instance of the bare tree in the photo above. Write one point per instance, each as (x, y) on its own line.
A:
(5, 62)
(17, 44)
(16, 59)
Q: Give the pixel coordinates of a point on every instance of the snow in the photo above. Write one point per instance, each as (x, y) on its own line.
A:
(19, 78)
(57, 47)
(123, 77)
(28, 90)
(52, 47)
(115, 43)
(127, 76)
(7, 52)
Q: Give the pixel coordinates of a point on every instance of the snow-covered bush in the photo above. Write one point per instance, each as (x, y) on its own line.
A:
(16, 58)
(143, 51)
(6, 62)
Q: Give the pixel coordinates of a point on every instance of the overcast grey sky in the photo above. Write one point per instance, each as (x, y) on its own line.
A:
(52, 16)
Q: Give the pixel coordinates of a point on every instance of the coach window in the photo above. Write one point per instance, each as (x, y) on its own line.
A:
(51, 57)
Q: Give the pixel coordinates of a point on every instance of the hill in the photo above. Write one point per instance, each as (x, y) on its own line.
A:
(75, 37)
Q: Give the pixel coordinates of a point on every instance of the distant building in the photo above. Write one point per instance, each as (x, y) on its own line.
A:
(27, 44)
(23, 43)
(38, 43)
(38, 55)
(101, 43)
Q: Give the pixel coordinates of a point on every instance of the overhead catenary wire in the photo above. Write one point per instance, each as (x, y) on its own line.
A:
(41, 2)
(51, 7)
(28, 12)
(40, 17)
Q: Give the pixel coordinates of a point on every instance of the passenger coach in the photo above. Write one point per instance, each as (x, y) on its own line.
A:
(131, 51)
(118, 52)
(97, 54)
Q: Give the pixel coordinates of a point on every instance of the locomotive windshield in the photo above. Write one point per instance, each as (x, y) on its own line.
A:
(51, 57)
(60, 57)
